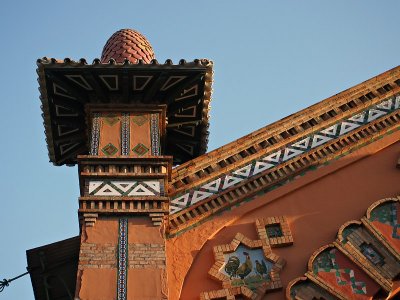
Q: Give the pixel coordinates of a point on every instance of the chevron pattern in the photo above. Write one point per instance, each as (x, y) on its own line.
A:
(284, 154)
(124, 188)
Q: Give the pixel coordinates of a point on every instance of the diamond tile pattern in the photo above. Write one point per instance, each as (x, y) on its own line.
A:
(139, 120)
(109, 149)
(140, 149)
(111, 119)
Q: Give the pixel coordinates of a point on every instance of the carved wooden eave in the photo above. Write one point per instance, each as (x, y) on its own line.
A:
(53, 269)
(67, 86)
(272, 155)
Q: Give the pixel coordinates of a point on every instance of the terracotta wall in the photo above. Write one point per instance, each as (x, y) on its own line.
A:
(315, 204)
(97, 261)
(146, 278)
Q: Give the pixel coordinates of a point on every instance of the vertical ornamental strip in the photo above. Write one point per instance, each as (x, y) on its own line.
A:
(122, 259)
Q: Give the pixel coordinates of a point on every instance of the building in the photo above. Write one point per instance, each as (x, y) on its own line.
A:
(304, 208)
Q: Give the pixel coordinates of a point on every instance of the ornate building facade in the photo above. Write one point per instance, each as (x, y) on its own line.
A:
(304, 208)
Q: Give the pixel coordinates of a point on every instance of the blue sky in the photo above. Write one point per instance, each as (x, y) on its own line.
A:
(272, 58)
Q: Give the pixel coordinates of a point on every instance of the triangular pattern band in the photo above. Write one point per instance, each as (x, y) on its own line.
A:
(288, 152)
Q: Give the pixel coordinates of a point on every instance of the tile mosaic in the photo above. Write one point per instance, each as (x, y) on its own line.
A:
(109, 149)
(122, 271)
(326, 262)
(95, 136)
(125, 129)
(124, 188)
(155, 134)
(140, 149)
(290, 151)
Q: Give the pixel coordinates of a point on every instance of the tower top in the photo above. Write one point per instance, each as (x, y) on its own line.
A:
(127, 75)
(127, 44)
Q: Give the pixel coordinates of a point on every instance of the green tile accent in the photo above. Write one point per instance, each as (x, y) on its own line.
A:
(139, 120)
(140, 149)
(109, 149)
(111, 119)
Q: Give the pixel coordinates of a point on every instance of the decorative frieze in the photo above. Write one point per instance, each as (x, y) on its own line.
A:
(241, 184)
(124, 185)
(289, 152)
(125, 188)
(277, 134)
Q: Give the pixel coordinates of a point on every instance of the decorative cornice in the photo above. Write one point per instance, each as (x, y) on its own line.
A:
(279, 165)
(67, 86)
(304, 122)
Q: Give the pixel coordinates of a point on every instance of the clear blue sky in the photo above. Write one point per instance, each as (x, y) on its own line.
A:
(272, 58)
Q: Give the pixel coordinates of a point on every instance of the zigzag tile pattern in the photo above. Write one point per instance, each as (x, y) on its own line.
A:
(284, 154)
(124, 188)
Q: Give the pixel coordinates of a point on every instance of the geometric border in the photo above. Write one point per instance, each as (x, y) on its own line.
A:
(122, 272)
(155, 134)
(95, 134)
(134, 188)
(125, 133)
(278, 157)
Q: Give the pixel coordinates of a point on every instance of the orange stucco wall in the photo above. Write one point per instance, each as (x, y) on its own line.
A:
(148, 282)
(316, 205)
(104, 233)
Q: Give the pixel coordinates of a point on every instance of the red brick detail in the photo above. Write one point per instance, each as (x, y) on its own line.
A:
(100, 256)
(285, 240)
(127, 44)
(143, 256)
